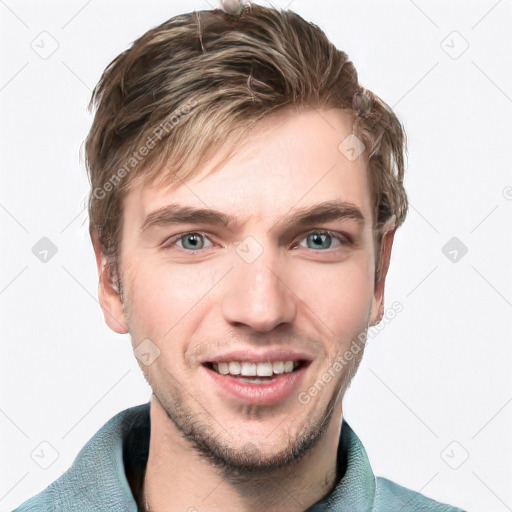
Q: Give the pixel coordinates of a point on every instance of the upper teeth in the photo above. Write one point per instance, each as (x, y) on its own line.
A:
(255, 369)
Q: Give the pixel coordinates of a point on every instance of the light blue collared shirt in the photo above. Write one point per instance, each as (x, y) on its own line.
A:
(97, 480)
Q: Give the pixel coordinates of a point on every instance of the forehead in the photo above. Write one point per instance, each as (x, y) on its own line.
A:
(288, 161)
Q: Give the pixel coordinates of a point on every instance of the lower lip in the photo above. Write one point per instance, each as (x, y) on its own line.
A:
(280, 388)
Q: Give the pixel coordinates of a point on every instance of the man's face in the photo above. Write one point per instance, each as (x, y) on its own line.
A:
(266, 285)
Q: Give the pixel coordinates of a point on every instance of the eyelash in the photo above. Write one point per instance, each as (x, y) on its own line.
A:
(342, 239)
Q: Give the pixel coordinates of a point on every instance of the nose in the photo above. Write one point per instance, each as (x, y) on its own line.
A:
(257, 295)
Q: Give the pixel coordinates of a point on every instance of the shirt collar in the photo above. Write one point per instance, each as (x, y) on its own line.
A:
(129, 434)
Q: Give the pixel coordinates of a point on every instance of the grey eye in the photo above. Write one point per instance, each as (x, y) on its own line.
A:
(192, 241)
(319, 240)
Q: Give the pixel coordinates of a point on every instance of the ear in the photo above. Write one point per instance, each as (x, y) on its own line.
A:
(108, 294)
(377, 311)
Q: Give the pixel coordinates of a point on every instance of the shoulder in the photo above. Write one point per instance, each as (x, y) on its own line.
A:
(390, 496)
(96, 480)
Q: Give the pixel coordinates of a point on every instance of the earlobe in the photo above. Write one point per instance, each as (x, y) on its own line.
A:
(377, 311)
(108, 293)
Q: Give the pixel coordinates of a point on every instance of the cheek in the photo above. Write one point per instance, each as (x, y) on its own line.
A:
(164, 297)
(340, 295)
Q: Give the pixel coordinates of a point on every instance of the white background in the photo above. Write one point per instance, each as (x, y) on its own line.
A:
(438, 373)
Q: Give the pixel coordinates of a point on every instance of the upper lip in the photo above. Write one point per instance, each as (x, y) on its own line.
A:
(253, 356)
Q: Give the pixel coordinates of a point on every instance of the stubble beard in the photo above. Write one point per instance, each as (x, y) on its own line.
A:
(249, 461)
(244, 463)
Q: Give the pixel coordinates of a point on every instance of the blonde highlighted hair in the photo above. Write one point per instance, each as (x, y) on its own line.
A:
(203, 79)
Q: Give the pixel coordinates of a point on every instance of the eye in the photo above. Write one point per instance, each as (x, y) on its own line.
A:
(193, 241)
(322, 240)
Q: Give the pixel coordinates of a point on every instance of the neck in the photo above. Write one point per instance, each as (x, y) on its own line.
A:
(178, 478)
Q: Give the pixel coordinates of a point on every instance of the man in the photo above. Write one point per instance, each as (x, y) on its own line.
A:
(245, 191)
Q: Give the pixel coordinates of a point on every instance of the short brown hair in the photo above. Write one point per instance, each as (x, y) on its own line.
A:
(185, 88)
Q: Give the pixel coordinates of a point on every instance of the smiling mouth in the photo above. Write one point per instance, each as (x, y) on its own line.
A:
(261, 372)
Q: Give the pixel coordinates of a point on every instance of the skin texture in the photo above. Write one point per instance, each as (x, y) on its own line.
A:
(207, 450)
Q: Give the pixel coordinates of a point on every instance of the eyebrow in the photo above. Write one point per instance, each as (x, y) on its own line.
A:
(323, 212)
(179, 214)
